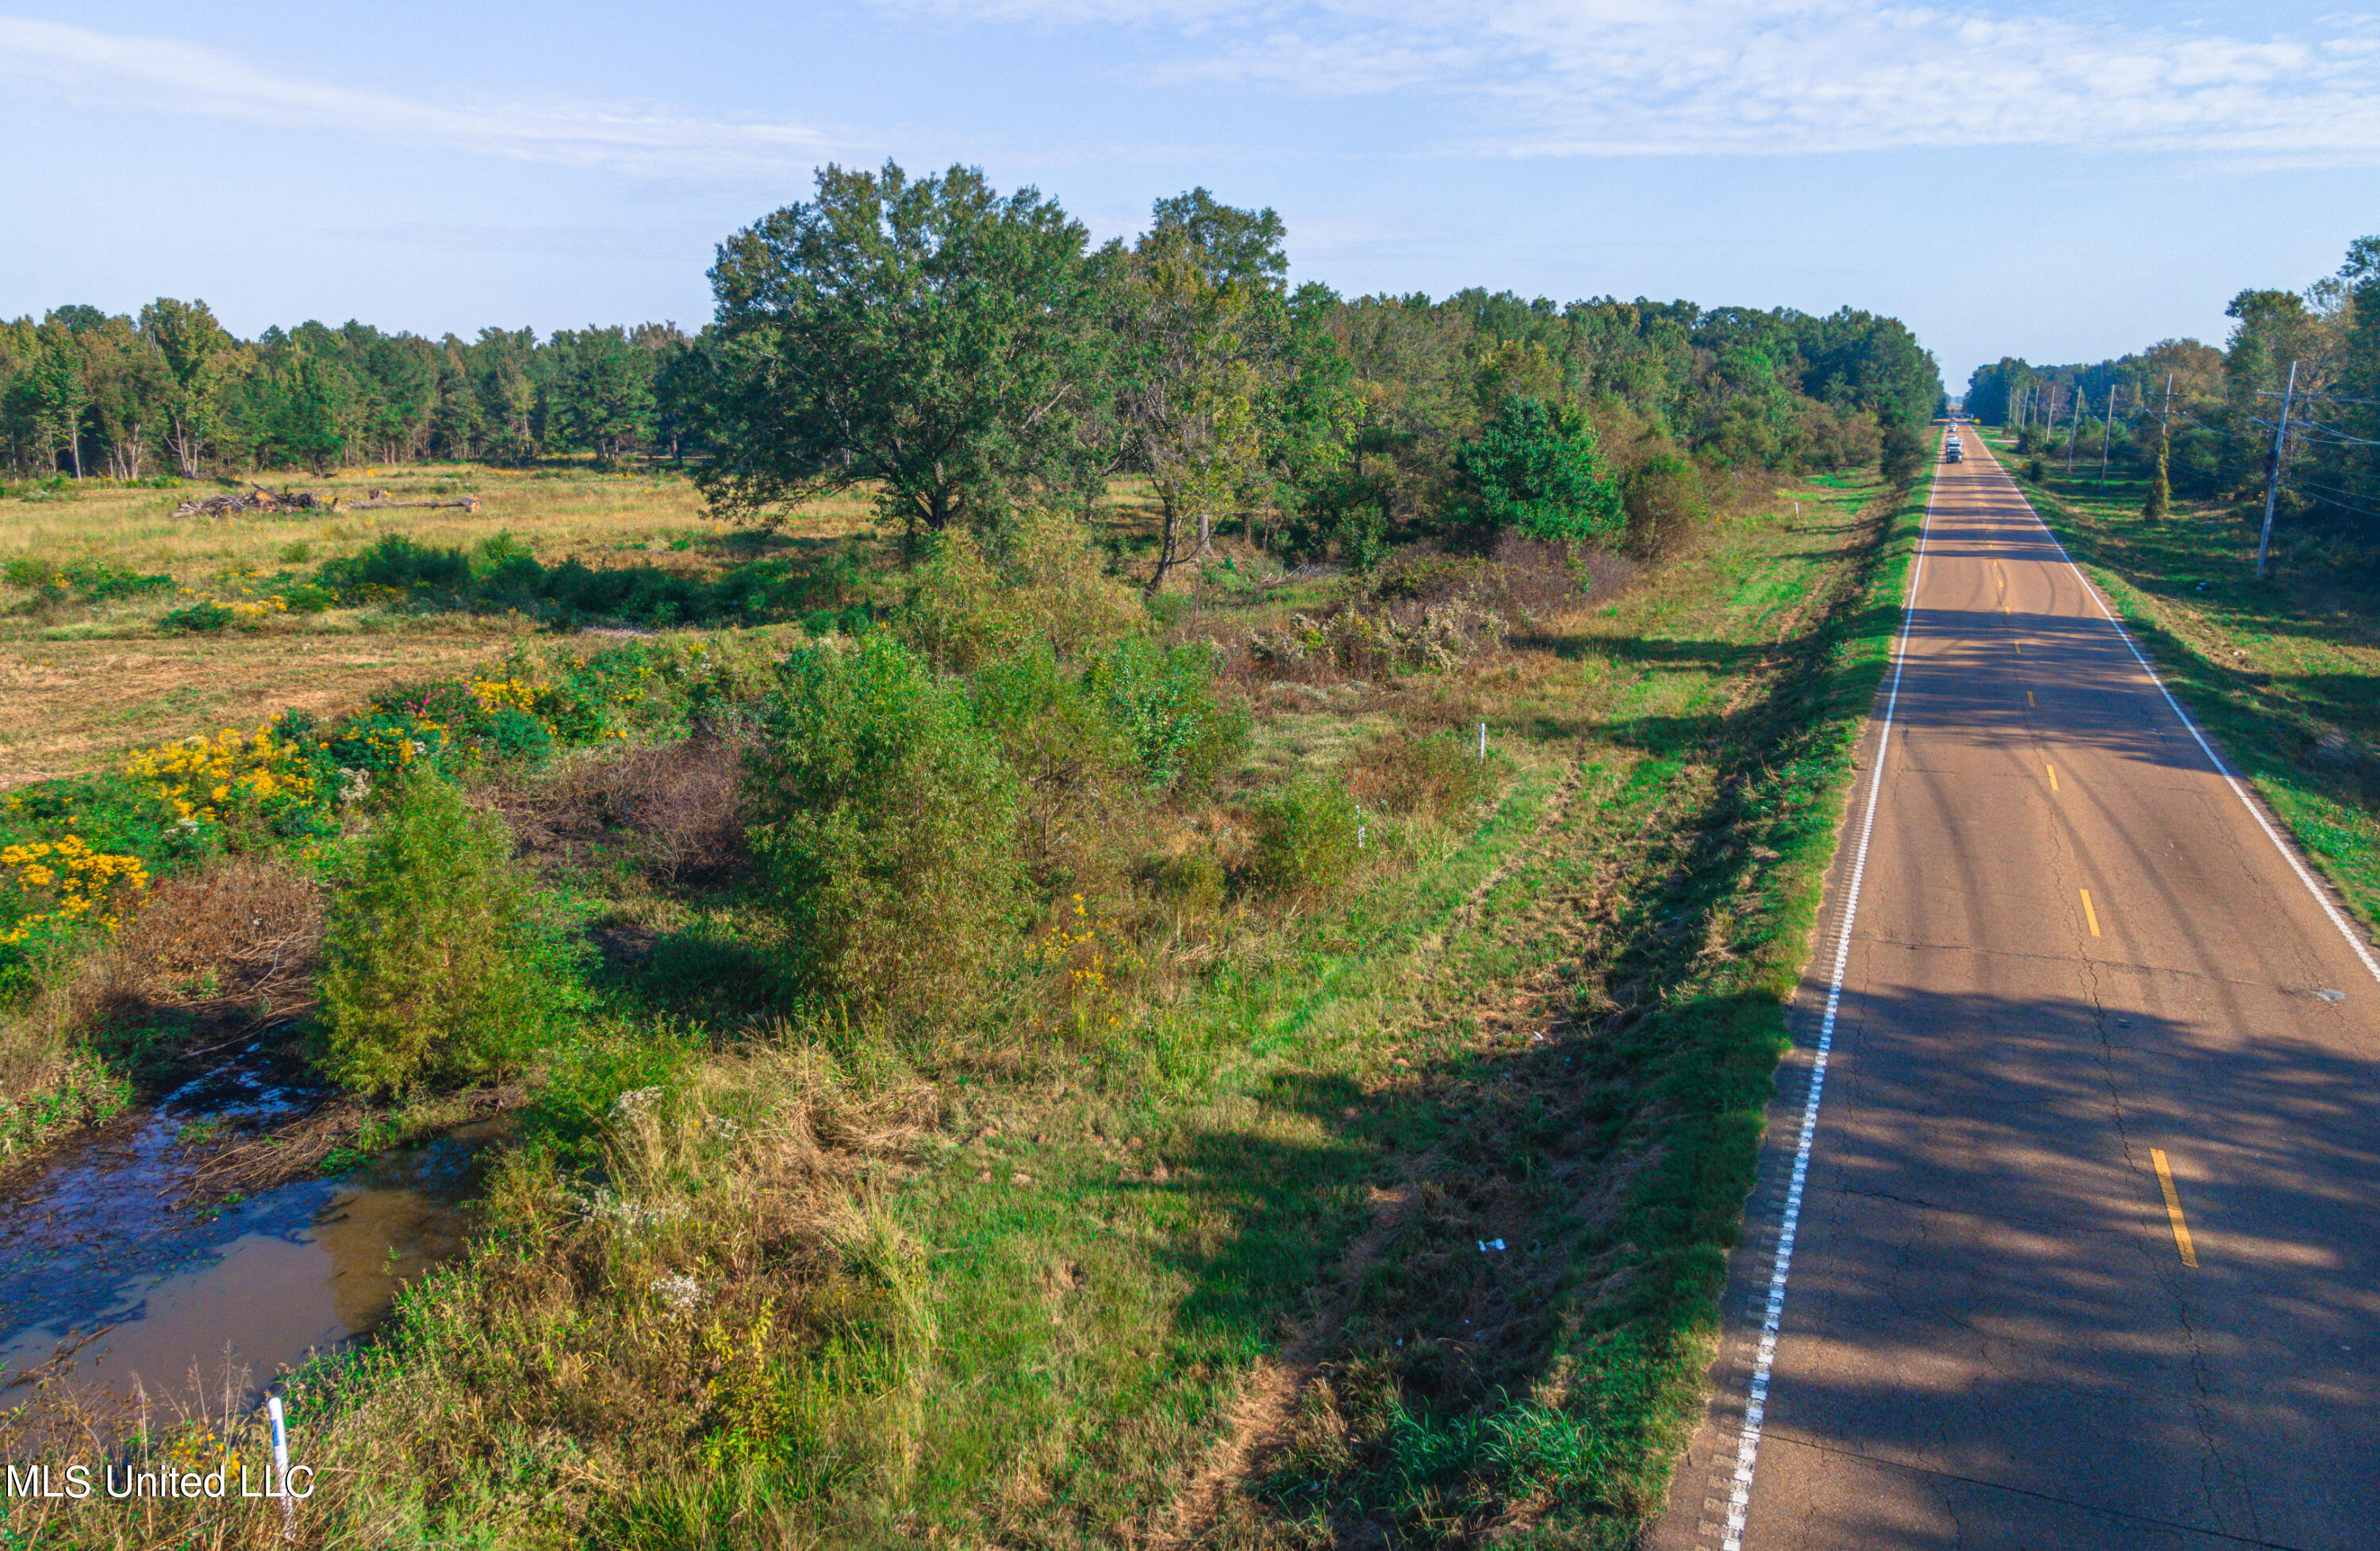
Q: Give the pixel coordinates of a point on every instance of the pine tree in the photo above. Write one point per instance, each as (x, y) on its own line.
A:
(2160, 501)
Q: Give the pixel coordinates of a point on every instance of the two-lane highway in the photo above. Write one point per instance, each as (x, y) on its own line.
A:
(2078, 1243)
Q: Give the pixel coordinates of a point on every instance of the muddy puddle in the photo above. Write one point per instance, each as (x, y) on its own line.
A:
(111, 1287)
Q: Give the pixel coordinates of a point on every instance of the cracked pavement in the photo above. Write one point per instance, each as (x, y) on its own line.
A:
(1989, 1338)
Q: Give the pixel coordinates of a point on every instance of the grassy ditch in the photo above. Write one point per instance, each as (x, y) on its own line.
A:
(2284, 672)
(1579, 1088)
(1173, 1237)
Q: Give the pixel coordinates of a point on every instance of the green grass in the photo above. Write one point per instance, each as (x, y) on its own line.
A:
(1587, 1083)
(2284, 673)
(1012, 1292)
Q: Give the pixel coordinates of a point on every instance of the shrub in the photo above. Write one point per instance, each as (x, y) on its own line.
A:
(500, 572)
(101, 582)
(1906, 454)
(397, 564)
(112, 811)
(885, 827)
(438, 968)
(1192, 882)
(1163, 702)
(199, 619)
(1304, 840)
(595, 1082)
(519, 738)
(1829, 437)
(1035, 582)
(1435, 776)
(1665, 499)
(75, 856)
(1051, 730)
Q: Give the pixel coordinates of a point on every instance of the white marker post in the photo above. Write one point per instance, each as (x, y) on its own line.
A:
(280, 1467)
(1483, 742)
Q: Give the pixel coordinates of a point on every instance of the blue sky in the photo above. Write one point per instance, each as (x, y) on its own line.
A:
(2062, 183)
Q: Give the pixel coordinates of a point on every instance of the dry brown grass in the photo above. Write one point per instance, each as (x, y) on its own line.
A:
(220, 954)
(675, 809)
(645, 1352)
(582, 513)
(69, 707)
(80, 686)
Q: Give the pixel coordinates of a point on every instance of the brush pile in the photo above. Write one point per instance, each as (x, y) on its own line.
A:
(257, 498)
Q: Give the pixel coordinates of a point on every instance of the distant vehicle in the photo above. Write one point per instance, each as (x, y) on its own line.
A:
(1954, 454)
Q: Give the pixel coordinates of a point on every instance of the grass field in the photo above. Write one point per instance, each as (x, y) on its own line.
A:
(1193, 1252)
(81, 683)
(2284, 672)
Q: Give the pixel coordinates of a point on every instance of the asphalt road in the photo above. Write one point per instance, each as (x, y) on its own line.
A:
(2075, 952)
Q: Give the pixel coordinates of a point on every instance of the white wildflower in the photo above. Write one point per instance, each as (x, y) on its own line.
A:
(679, 1290)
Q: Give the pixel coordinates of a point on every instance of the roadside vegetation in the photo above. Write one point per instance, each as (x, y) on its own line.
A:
(1201, 969)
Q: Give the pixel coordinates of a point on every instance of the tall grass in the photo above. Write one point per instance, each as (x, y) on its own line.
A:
(1230, 1085)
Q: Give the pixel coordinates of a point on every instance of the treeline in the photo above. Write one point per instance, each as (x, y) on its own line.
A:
(961, 352)
(2217, 426)
(171, 392)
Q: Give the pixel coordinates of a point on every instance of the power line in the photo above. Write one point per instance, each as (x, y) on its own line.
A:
(2326, 500)
(2332, 398)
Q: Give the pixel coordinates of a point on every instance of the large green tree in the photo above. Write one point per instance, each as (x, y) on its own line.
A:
(1536, 470)
(602, 397)
(928, 336)
(200, 360)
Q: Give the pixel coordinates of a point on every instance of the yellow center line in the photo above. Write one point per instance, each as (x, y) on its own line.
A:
(2028, 699)
(2053, 786)
(2173, 1209)
(2090, 916)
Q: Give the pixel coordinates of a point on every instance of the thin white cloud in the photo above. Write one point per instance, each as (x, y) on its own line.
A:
(1680, 77)
(1510, 77)
(172, 76)
(610, 242)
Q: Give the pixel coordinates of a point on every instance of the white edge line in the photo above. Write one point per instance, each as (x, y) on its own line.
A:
(2240, 789)
(1755, 1407)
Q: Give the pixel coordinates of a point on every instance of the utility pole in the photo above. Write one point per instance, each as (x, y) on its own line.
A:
(2273, 477)
(2106, 429)
(2074, 428)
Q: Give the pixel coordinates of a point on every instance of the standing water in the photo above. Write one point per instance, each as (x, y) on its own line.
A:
(109, 1287)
